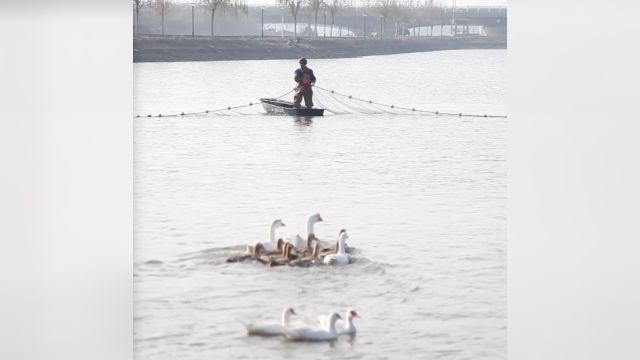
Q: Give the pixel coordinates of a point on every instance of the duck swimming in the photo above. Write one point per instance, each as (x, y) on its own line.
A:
(314, 333)
(255, 255)
(298, 241)
(272, 244)
(348, 327)
(340, 257)
(271, 329)
(334, 248)
(310, 260)
(344, 326)
(283, 259)
(308, 249)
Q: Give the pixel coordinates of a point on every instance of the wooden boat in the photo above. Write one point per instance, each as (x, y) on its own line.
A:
(276, 106)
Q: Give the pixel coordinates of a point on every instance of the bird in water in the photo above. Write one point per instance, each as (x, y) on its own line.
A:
(283, 259)
(298, 241)
(270, 245)
(314, 333)
(344, 326)
(310, 260)
(347, 326)
(334, 248)
(271, 329)
(254, 255)
(340, 257)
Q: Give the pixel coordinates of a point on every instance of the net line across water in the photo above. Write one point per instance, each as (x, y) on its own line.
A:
(333, 102)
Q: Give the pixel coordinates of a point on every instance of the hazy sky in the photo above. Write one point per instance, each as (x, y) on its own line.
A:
(461, 3)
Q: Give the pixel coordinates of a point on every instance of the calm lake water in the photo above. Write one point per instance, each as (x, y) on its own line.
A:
(423, 198)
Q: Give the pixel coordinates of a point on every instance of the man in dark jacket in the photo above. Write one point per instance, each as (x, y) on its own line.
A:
(305, 79)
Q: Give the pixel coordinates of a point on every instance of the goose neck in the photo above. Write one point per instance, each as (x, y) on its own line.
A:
(310, 224)
(332, 324)
(350, 323)
(285, 318)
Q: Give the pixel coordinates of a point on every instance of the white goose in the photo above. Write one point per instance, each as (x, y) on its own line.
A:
(272, 244)
(342, 326)
(301, 243)
(340, 257)
(271, 329)
(348, 327)
(333, 248)
(314, 333)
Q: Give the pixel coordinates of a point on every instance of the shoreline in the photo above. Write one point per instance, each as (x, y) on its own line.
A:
(179, 48)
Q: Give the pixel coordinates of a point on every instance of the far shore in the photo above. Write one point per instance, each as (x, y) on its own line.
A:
(155, 48)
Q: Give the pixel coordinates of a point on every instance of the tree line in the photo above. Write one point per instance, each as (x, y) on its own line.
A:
(212, 6)
(403, 14)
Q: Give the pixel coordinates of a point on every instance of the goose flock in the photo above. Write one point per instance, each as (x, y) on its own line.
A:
(302, 251)
(320, 329)
(295, 250)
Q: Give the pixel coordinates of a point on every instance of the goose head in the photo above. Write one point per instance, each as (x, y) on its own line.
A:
(352, 314)
(286, 314)
(332, 321)
(314, 218)
(277, 223)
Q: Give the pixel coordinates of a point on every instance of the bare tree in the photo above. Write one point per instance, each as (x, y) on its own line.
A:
(294, 8)
(406, 15)
(161, 7)
(441, 15)
(315, 7)
(237, 6)
(427, 10)
(334, 6)
(138, 4)
(387, 9)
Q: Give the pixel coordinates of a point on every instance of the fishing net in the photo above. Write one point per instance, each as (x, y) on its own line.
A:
(333, 102)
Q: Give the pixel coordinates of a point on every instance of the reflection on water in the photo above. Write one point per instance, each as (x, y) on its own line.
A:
(303, 120)
(423, 199)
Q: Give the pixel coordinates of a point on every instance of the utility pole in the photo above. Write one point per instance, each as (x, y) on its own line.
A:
(364, 27)
(262, 34)
(454, 27)
(193, 29)
(355, 20)
(324, 28)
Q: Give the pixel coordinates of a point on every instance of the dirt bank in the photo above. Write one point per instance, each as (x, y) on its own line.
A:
(149, 48)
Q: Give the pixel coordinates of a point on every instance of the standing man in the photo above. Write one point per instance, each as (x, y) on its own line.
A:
(305, 79)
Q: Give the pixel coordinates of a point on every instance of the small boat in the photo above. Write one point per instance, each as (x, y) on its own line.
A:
(276, 106)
